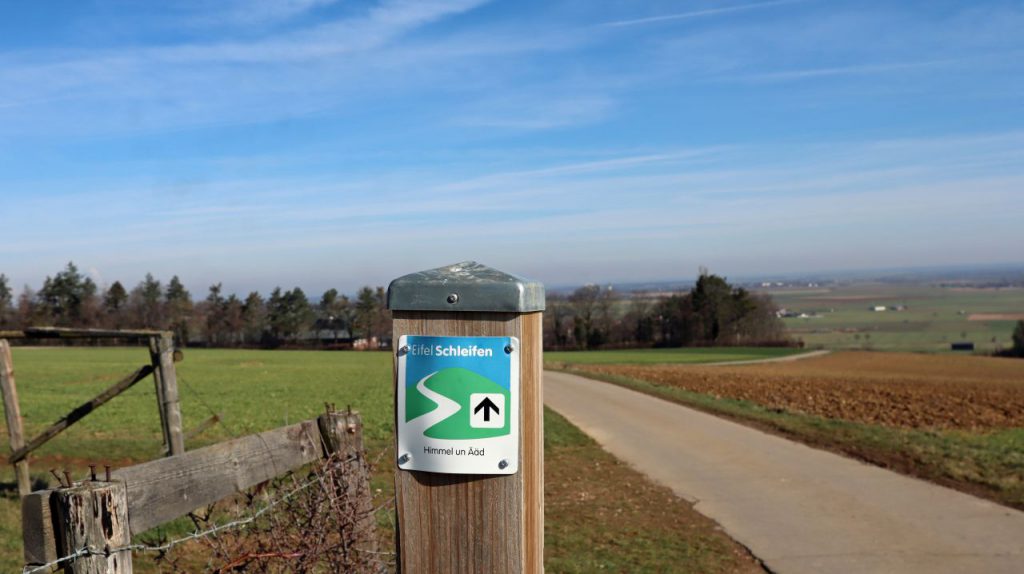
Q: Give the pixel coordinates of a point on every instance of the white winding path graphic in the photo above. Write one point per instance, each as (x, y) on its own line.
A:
(445, 408)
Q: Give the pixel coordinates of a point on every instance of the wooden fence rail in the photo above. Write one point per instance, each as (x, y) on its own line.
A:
(159, 491)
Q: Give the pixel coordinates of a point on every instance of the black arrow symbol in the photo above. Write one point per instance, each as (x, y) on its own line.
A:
(486, 405)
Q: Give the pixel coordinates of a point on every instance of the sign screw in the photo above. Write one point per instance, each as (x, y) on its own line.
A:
(453, 298)
(403, 350)
(503, 464)
(508, 349)
(404, 458)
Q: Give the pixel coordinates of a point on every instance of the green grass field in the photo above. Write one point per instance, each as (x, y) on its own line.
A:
(934, 316)
(253, 390)
(259, 390)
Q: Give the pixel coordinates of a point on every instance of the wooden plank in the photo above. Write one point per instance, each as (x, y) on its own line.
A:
(80, 412)
(94, 516)
(164, 489)
(163, 362)
(468, 523)
(67, 333)
(37, 534)
(12, 412)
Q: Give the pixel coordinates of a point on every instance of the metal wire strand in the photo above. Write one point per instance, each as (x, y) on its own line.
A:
(240, 523)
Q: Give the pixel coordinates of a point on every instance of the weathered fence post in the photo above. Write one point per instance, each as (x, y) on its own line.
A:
(13, 413)
(342, 434)
(469, 485)
(161, 351)
(92, 523)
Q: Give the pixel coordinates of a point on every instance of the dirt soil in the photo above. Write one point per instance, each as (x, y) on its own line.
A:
(894, 389)
(996, 317)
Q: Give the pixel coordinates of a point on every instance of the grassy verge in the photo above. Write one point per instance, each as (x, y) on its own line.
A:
(668, 356)
(990, 465)
(601, 514)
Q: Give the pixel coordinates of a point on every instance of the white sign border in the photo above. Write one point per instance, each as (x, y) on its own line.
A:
(503, 448)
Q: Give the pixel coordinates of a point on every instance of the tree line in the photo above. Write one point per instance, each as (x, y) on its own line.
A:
(71, 299)
(712, 313)
(1017, 349)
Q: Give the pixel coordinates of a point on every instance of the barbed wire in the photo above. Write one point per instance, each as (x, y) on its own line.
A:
(87, 551)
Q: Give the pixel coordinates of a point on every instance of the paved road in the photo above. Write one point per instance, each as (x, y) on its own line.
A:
(798, 509)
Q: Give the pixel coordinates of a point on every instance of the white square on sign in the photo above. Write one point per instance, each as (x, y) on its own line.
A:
(486, 410)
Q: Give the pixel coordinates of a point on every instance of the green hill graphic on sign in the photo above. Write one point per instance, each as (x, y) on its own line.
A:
(452, 408)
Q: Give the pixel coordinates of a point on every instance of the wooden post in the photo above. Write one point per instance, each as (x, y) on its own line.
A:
(154, 357)
(12, 410)
(463, 523)
(342, 435)
(161, 350)
(38, 538)
(92, 520)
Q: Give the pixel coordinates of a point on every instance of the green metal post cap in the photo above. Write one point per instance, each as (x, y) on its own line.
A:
(466, 286)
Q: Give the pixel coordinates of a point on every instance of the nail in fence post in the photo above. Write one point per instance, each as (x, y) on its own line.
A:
(492, 521)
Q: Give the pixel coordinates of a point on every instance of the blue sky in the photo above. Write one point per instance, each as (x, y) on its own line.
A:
(330, 143)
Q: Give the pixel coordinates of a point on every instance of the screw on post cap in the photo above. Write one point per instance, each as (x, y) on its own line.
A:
(467, 286)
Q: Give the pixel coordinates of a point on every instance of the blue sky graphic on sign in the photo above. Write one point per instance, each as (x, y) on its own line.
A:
(487, 363)
(449, 380)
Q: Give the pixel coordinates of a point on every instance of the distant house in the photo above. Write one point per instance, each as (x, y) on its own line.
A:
(879, 308)
(373, 343)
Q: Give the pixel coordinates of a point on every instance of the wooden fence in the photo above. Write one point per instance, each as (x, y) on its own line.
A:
(87, 526)
(162, 356)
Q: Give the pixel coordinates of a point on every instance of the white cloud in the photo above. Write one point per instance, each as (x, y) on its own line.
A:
(168, 87)
(700, 13)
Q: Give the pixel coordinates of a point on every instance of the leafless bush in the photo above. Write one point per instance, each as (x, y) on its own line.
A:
(323, 521)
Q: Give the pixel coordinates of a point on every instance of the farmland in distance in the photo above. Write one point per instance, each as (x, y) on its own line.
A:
(917, 316)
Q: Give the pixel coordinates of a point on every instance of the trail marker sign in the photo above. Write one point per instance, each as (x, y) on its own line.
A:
(465, 404)
(458, 404)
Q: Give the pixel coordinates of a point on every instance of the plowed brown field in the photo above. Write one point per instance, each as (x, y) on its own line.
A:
(893, 389)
